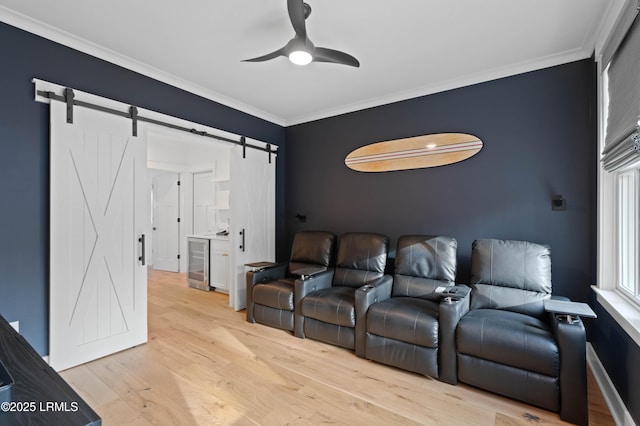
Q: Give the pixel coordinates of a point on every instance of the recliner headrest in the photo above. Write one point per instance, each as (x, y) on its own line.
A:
(427, 256)
(313, 247)
(363, 251)
(517, 264)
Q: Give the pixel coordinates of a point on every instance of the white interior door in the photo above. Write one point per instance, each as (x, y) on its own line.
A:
(253, 216)
(98, 289)
(166, 228)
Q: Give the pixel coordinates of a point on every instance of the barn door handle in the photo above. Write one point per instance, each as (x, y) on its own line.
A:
(242, 235)
(142, 250)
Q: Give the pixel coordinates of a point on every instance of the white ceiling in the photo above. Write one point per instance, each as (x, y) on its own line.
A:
(406, 48)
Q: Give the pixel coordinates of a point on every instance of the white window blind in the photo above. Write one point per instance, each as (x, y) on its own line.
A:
(622, 140)
(628, 15)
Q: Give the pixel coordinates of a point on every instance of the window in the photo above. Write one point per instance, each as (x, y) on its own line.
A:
(618, 288)
(627, 232)
(621, 193)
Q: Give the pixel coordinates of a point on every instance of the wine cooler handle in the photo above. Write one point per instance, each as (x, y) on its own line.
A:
(206, 263)
(143, 256)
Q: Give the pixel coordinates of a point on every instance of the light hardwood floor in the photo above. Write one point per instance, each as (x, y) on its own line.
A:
(205, 365)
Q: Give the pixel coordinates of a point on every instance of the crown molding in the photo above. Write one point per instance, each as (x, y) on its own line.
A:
(611, 17)
(57, 35)
(481, 77)
(54, 34)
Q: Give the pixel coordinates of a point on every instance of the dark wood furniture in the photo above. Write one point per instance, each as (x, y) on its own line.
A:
(39, 395)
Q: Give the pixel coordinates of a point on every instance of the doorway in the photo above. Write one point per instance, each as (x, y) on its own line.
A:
(174, 211)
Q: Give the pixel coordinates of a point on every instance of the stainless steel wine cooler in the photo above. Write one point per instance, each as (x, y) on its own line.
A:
(198, 263)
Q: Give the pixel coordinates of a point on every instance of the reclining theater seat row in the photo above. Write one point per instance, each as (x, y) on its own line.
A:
(508, 344)
(414, 329)
(270, 292)
(330, 310)
(498, 338)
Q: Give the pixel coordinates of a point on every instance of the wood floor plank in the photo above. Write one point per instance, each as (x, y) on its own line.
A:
(205, 365)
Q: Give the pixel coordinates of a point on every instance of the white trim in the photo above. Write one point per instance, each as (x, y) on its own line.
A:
(619, 411)
(480, 77)
(41, 85)
(49, 32)
(167, 167)
(608, 23)
(626, 313)
(606, 243)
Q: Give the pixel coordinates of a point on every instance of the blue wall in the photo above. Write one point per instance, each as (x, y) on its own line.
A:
(539, 131)
(539, 134)
(24, 157)
(539, 139)
(620, 356)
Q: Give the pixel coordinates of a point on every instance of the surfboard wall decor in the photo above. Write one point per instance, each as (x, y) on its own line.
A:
(414, 153)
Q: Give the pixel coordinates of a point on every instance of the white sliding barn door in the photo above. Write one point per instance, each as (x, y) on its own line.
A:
(253, 181)
(98, 289)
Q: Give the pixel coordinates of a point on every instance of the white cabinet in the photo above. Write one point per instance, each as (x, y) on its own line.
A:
(203, 204)
(219, 265)
(210, 203)
(208, 263)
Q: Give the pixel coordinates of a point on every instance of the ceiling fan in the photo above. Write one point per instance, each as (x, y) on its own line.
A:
(300, 50)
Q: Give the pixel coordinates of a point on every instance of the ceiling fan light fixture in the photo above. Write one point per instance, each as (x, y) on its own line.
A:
(300, 57)
(300, 50)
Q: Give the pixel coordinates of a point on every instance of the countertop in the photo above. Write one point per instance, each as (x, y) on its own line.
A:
(210, 237)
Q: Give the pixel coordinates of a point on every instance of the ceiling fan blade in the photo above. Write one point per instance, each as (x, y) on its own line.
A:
(297, 16)
(268, 56)
(334, 56)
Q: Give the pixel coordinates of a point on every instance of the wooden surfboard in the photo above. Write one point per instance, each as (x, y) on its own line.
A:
(414, 153)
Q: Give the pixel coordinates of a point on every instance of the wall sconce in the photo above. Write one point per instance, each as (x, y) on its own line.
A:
(558, 203)
(301, 218)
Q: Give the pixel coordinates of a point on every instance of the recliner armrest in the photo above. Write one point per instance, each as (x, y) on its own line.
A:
(262, 276)
(302, 289)
(313, 283)
(455, 292)
(568, 308)
(372, 292)
(571, 339)
(308, 271)
(266, 275)
(451, 309)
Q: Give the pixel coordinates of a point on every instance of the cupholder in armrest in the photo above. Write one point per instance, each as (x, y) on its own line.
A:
(308, 272)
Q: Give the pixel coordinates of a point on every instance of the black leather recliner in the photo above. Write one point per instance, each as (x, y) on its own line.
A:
(270, 292)
(414, 329)
(508, 344)
(330, 310)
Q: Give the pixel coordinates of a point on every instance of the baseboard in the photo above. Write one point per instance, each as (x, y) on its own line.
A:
(618, 410)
